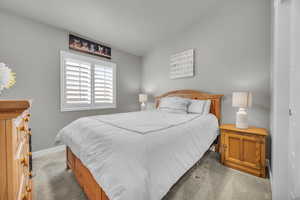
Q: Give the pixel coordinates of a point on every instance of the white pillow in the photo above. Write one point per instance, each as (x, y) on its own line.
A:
(199, 106)
(174, 104)
(206, 110)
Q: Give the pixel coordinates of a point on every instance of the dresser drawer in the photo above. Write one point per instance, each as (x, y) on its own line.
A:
(25, 192)
(29, 189)
(20, 130)
(22, 168)
(18, 133)
(22, 189)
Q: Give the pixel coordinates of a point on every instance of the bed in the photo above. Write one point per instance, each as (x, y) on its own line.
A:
(139, 155)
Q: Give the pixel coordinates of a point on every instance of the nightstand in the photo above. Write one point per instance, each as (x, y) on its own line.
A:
(244, 149)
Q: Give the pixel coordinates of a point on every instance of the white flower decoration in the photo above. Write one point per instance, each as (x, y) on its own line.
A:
(7, 77)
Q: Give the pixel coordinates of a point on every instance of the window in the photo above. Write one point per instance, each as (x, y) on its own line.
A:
(87, 83)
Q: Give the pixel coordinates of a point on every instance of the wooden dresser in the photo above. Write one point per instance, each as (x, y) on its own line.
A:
(15, 151)
(244, 149)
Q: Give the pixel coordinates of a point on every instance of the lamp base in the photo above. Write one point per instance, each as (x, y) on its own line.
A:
(143, 106)
(242, 119)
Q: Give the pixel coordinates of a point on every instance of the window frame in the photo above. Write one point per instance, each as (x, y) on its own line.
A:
(64, 107)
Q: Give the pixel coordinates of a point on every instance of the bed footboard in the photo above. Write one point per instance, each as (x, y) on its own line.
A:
(85, 179)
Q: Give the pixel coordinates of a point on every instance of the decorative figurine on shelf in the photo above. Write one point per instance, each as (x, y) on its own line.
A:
(7, 77)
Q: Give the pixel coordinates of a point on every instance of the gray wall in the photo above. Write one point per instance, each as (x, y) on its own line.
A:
(232, 53)
(32, 51)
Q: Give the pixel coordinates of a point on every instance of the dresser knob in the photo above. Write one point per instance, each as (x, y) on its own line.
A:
(28, 189)
(24, 162)
(29, 131)
(26, 119)
(24, 197)
(30, 174)
(22, 128)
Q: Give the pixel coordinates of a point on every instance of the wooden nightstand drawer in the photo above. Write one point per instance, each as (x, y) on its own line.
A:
(243, 149)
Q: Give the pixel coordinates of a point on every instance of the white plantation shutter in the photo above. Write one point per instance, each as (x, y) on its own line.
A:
(77, 82)
(103, 84)
(86, 83)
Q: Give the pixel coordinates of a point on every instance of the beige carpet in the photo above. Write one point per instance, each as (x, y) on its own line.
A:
(208, 180)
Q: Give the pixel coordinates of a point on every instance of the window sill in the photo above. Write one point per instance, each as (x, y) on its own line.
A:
(88, 108)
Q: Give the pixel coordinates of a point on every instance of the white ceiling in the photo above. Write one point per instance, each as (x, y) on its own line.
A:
(134, 26)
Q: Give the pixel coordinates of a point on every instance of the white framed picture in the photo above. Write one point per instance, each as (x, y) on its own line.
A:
(182, 64)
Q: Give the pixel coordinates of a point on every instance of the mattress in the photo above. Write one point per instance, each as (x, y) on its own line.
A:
(139, 155)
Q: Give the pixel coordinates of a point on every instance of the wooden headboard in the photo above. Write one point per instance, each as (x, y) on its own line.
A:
(215, 107)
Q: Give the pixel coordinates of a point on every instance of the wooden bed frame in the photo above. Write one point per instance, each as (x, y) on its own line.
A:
(85, 179)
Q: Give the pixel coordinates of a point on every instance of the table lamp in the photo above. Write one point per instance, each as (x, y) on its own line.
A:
(143, 99)
(242, 100)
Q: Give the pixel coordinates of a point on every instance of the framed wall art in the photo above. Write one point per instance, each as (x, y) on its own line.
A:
(182, 64)
(86, 46)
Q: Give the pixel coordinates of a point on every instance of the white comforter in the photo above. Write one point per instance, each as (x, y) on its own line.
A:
(139, 155)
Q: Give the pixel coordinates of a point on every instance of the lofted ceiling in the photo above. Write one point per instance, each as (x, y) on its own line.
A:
(134, 26)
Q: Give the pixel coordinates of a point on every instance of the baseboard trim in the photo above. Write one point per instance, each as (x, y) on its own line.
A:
(44, 152)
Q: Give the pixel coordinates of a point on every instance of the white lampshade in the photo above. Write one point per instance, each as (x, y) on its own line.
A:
(242, 99)
(143, 98)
